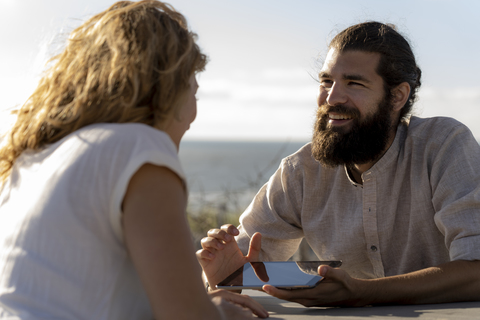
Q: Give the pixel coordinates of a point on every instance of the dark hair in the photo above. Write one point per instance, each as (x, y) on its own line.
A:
(397, 63)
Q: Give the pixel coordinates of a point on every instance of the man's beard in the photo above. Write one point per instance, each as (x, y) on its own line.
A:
(364, 142)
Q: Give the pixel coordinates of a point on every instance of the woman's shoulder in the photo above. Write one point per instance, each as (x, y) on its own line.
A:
(123, 136)
(120, 130)
(109, 145)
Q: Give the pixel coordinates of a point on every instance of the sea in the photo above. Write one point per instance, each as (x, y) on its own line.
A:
(223, 178)
(235, 170)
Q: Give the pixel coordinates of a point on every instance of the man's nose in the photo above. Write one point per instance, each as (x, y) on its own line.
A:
(336, 95)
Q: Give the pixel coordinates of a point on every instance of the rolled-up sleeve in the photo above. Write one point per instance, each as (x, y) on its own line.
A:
(455, 181)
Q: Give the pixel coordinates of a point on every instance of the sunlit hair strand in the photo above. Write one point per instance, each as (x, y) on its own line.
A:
(130, 63)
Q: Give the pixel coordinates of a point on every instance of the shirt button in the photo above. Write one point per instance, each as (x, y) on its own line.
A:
(373, 248)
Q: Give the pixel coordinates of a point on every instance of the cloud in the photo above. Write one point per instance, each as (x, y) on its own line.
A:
(268, 104)
(461, 103)
(221, 121)
(270, 87)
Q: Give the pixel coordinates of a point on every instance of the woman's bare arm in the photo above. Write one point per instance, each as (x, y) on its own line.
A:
(160, 244)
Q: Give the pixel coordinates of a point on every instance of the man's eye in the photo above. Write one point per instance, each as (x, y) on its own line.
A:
(353, 83)
(326, 83)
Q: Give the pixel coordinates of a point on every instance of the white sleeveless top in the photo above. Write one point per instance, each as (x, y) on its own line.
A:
(62, 254)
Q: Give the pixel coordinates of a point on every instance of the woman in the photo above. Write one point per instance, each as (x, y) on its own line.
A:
(92, 192)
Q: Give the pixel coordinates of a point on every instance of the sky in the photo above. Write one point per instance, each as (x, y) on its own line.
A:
(264, 55)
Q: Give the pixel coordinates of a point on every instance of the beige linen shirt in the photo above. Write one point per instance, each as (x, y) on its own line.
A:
(419, 205)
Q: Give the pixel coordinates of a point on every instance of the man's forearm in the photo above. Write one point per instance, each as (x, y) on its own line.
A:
(449, 282)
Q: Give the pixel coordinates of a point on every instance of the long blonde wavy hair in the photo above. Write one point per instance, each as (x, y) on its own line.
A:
(130, 63)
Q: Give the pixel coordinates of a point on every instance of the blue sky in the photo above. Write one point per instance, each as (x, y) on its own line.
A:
(264, 56)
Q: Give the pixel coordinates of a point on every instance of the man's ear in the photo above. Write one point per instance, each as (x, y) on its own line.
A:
(400, 95)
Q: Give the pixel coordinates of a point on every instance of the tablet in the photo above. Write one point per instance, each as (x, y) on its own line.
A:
(281, 274)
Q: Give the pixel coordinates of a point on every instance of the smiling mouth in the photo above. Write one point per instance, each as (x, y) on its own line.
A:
(332, 116)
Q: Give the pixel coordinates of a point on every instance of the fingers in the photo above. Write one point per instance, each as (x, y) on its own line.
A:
(255, 247)
(336, 289)
(260, 270)
(302, 296)
(242, 300)
(203, 254)
(251, 304)
(231, 311)
(322, 270)
(332, 274)
(216, 238)
(305, 297)
(230, 229)
(212, 243)
(290, 295)
(225, 233)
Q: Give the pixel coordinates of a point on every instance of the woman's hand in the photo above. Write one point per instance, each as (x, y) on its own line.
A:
(236, 306)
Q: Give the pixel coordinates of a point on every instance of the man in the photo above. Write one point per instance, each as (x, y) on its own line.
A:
(396, 198)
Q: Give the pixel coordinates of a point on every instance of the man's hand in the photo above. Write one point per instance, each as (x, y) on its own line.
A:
(221, 255)
(449, 282)
(336, 289)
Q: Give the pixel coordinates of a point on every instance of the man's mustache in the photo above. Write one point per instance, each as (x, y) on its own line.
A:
(325, 109)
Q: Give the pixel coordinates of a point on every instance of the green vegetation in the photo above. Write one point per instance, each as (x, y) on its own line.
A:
(209, 217)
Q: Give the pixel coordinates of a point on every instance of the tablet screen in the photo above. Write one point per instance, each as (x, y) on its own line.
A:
(281, 274)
